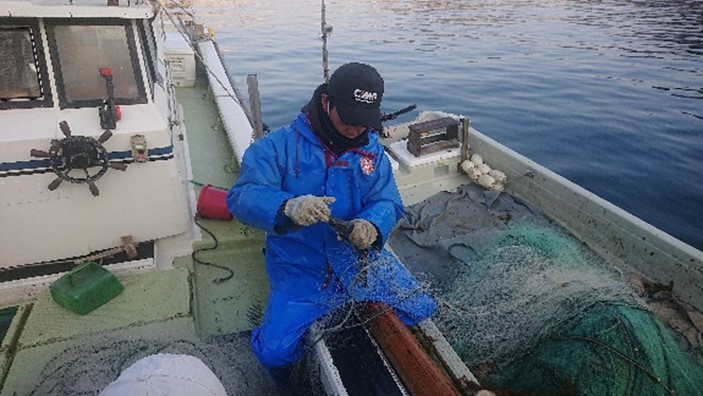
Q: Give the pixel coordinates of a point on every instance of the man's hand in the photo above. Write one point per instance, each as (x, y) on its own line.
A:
(364, 234)
(308, 209)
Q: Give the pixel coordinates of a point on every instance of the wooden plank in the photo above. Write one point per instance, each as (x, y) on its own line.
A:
(434, 124)
(419, 373)
(427, 137)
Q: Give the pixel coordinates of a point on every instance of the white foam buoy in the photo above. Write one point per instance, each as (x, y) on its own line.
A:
(497, 175)
(467, 165)
(484, 168)
(476, 159)
(474, 174)
(486, 181)
(482, 174)
(499, 187)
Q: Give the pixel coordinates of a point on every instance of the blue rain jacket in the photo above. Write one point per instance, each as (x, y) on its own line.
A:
(311, 271)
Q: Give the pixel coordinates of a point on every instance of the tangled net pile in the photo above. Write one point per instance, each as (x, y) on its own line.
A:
(530, 284)
(532, 310)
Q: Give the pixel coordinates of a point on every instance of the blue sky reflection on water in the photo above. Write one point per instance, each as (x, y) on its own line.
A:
(607, 94)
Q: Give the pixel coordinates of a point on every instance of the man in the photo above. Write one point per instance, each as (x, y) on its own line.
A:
(328, 162)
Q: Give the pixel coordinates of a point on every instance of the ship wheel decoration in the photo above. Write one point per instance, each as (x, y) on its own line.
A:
(74, 154)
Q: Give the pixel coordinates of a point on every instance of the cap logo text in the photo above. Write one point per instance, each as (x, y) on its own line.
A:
(365, 96)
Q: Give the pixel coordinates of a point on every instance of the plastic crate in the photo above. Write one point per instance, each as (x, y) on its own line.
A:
(85, 288)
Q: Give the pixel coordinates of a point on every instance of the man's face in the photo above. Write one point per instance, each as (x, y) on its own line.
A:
(350, 131)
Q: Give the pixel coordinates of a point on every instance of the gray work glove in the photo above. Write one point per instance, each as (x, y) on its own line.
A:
(308, 209)
(364, 234)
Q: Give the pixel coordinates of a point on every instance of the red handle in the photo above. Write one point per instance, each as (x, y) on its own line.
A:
(106, 72)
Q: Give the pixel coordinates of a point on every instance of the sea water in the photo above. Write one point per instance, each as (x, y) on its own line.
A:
(608, 94)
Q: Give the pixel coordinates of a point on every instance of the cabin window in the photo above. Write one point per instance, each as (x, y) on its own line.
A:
(149, 49)
(79, 52)
(23, 78)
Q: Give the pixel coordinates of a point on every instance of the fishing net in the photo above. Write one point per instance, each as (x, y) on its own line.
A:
(531, 309)
(611, 350)
(88, 367)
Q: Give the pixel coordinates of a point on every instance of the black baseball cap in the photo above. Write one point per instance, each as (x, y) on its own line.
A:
(357, 90)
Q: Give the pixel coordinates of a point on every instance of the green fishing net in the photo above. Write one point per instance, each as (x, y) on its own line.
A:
(532, 310)
(612, 350)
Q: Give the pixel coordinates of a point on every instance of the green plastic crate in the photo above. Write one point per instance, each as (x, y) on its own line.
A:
(85, 288)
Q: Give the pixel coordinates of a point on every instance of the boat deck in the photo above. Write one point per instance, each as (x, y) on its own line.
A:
(235, 304)
(50, 350)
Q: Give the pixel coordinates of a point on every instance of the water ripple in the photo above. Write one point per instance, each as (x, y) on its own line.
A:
(606, 93)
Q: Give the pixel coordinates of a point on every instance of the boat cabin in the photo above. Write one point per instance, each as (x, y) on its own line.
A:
(89, 132)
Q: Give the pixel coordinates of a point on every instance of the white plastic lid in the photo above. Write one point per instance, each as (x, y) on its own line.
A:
(166, 374)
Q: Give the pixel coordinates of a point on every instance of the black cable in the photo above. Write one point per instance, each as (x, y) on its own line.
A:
(202, 249)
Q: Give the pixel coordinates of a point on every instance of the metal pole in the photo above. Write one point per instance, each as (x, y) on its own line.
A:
(465, 126)
(255, 102)
(325, 31)
(464, 153)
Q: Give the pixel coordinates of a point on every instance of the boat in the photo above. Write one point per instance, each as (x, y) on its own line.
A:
(120, 132)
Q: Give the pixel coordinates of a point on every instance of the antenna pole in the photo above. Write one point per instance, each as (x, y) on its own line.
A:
(325, 31)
